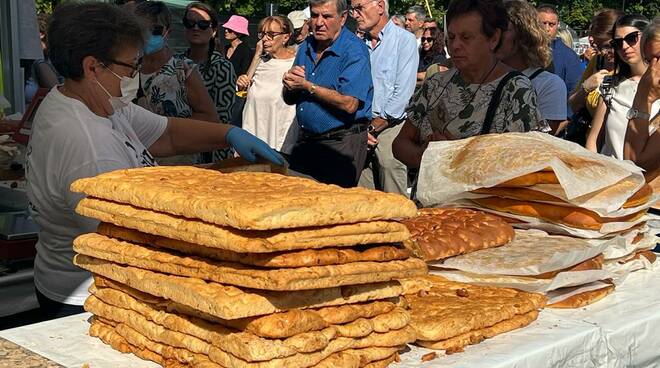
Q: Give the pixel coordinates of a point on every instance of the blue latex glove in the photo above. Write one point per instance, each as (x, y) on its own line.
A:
(249, 146)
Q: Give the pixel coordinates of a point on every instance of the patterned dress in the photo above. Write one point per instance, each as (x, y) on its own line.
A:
(220, 80)
(164, 93)
(447, 104)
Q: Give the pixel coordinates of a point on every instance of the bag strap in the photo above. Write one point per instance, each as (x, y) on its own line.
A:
(495, 101)
(536, 73)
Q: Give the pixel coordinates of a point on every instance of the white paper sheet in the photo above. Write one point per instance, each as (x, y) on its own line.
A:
(532, 252)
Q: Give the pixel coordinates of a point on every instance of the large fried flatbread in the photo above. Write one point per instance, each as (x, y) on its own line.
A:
(115, 305)
(583, 299)
(531, 253)
(378, 314)
(230, 302)
(301, 278)
(595, 263)
(451, 309)
(257, 201)
(242, 241)
(569, 216)
(527, 180)
(640, 197)
(438, 233)
(301, 258)
(386, 340)
(457, 343)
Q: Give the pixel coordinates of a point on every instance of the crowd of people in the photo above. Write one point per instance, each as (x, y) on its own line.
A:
(343, 107)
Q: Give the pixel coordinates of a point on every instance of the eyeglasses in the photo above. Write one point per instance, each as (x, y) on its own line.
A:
(359, 8)
(427, 39)
(603, 48)
(270, 35)
(201, 24)
(631, 39)
(135, 69)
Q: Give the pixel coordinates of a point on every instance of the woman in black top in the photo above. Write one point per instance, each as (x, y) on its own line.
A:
(237, 51)
(431, 52)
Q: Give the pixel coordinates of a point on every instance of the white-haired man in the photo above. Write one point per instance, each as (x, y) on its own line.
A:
(394, 60)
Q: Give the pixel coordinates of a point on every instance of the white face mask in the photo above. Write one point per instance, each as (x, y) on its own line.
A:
(128, 86)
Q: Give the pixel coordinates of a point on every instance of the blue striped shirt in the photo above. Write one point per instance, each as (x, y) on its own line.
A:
(343, 67)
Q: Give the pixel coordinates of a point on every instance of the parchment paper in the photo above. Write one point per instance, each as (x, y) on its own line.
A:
(451, 168)
(532, 252)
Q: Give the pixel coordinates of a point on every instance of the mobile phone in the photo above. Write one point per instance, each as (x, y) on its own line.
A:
(600, 62)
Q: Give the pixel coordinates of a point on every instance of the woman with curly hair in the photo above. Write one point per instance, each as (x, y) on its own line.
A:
(431, 52)
(525, 47)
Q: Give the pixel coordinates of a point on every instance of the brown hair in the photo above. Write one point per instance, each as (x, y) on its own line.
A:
(602, 23)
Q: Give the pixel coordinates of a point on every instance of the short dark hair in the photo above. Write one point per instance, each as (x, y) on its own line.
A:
(547, 8)
(492, 12)
(78, 30)
(603, 22)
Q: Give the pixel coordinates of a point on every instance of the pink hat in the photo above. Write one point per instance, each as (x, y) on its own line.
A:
(237, 24)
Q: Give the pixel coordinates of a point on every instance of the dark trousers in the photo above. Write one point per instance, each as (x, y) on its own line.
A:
(336, 158)
(51, 309)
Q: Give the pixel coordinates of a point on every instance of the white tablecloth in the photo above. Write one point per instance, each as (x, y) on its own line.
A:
(615, 332)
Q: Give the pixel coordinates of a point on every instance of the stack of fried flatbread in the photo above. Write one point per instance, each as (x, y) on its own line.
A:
(198, 268)
(453, 315)
(536, 262)
(439, 233)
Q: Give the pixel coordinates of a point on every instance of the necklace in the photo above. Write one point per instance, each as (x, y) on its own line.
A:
(472, 95)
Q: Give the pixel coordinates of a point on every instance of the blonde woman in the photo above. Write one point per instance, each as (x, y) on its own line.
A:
(525, 47)
(265, 114)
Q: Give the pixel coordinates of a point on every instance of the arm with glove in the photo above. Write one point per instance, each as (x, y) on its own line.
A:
(185, 136)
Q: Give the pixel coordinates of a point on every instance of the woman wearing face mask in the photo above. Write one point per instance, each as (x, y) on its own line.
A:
(615, 107)
(266, 115)
(89, 126)
(170, 85)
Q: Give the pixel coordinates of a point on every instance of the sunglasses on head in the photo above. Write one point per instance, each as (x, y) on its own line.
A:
(631, 39)
(427, 39)
(201, 24)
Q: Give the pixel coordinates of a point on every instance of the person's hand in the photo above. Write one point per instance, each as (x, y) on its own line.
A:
(650, 82)
(594, 81)
(372, 141)
(294, 79)
(249, 146)
(589, 53)
(243, 82)
(259, 47)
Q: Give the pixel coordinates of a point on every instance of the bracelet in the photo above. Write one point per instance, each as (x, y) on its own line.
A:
(584, 89)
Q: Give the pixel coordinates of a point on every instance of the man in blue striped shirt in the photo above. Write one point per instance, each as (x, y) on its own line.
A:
(330, 84)
(394, 62)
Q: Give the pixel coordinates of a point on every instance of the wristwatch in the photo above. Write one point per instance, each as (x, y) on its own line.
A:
(636, 114)
(312, 89)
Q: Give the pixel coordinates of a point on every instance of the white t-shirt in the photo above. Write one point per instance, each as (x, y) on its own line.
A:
(551, 92)
(69, 142)
(617, 122)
